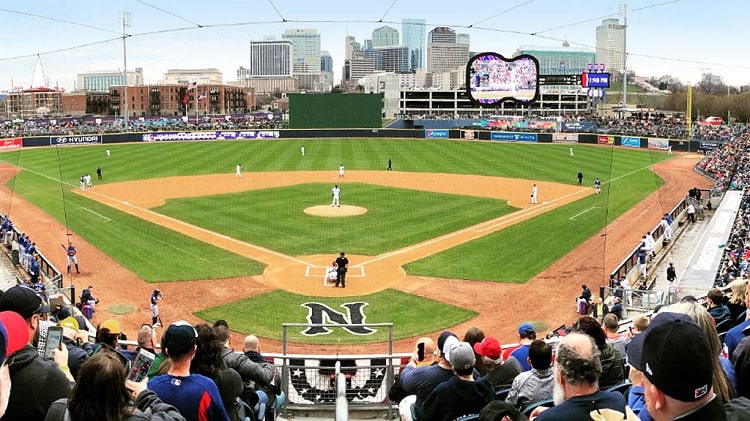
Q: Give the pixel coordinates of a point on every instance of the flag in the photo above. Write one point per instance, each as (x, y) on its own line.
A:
(562, 64)
(192, 85)
(202, 96)
(185, 99)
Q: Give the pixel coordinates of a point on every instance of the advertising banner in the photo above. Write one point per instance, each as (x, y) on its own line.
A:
(218, 135)
(468, 134)
(75, 140)
(8, 144)
(660, 144)
(436, 134)
(578, 126)
(631, 142)
(605, 140)
(564, 137)
(514, 137)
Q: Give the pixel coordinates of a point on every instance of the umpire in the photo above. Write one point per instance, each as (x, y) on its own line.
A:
(342, 265)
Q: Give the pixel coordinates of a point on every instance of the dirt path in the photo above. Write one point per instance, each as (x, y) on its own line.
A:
(548, 297)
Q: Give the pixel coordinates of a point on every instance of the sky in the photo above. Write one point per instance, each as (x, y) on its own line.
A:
(46, 42)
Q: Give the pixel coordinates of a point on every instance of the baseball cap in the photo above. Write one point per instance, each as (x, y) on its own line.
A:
(179, 337)
(441, 340)
(24, 301)
(461, 356)
(526, 328)
(112, 325)
(675, 356)
(69, 322)
(14, 333)
(489, 347)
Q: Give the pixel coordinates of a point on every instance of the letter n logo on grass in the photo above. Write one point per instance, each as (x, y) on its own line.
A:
(319, 313)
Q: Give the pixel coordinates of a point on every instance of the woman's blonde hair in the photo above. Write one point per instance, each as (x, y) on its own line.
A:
(739, 289)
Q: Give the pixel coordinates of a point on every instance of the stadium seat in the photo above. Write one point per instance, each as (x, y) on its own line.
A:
(741, 318)
(623, 388)
(501, 393)
(529, 407)
(724, 326)
(470, 417)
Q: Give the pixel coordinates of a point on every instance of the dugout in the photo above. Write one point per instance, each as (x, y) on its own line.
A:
(316, 111)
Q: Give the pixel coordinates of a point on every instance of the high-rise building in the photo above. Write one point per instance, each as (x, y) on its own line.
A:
(444, 54)
(305, 50)
(385, 36)
(415, 31)
(101, 81)
(463, 39)
(186, 76)
(391, 59)
(326, 67)
(350, 46)
(610, 45)
(442, 34)
(559, 61)
(270, 58)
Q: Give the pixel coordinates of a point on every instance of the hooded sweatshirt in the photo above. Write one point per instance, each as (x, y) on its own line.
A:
(457, 397)
(33, 376)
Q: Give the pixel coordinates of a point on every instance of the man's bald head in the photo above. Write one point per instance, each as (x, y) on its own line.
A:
(251, 344)
(429, 345)
(578, 359)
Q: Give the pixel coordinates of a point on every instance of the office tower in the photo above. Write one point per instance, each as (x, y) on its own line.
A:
(270, 58)
(385, 36)
(610, 45)
(415, 31)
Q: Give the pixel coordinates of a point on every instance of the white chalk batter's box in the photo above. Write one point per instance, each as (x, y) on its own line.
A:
(313, 271)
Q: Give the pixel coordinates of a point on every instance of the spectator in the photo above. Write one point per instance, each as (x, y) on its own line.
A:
(616, 308)
(741, 363)
(77, 342)
(537, 384)
(194, 395)
(102, 393)
(420, 382)
(736, 304)
(675, 358)
(208, 361)
(576, 392)
(611, 330)
(526, 335)
(612, 369)
(30, 374)
(145, 339)
(108, 335)
(718, 310)
(499, 373)
(724, 379)
(461, 394)
(735, 335)
(500, 411)
(14, 335)
(270, 396)
(473, 336)
(600, 309)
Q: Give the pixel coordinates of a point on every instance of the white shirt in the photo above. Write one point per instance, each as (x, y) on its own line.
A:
(534, 191)
(335, 191)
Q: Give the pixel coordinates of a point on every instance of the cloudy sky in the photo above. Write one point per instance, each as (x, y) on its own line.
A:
(49, 42)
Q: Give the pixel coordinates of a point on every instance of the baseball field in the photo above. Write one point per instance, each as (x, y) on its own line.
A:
(448, 239)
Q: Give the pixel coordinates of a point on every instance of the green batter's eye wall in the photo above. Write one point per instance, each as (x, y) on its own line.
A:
(315, 111)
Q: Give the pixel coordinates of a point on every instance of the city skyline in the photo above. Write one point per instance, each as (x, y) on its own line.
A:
(51, 44)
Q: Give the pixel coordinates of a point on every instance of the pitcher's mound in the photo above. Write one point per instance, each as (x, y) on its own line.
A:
(333, 212)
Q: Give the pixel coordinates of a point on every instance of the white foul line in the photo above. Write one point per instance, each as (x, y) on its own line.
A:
(99, 215)
(581, 213)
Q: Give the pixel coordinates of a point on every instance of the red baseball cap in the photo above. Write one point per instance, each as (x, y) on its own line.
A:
(14, 333)
(489, 347)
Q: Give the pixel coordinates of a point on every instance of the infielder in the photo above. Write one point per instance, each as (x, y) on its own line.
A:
(534, 193)
(598, 185)
(155, 298)
(238, 173)
(335, 194)
(71, 251)
(341, 171)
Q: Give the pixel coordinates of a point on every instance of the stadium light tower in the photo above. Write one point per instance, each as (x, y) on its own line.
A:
(125, 24)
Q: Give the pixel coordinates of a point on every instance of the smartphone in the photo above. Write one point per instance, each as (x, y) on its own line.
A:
(54, 339)
(420, 351)
(140, 367)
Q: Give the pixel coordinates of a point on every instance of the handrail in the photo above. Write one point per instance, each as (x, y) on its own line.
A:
(342, 405)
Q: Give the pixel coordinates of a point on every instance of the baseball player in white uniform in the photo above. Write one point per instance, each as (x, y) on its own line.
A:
(238, 173)
(341, 171)
(534, 192)
(335, 194)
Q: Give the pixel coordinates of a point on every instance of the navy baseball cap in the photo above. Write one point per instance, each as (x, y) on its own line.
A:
(675, 356)
(24, 301)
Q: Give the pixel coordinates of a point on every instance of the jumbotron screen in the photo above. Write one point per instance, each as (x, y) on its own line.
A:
(491, 79)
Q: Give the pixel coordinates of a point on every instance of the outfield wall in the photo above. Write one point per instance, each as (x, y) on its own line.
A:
(485, 135)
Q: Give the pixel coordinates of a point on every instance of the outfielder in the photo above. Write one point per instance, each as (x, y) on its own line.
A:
(335, 194)
(155, 298)
(71, 251)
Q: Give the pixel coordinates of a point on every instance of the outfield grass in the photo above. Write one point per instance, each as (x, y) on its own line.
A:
(263, 315)
(157, 254)
(403, 217)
